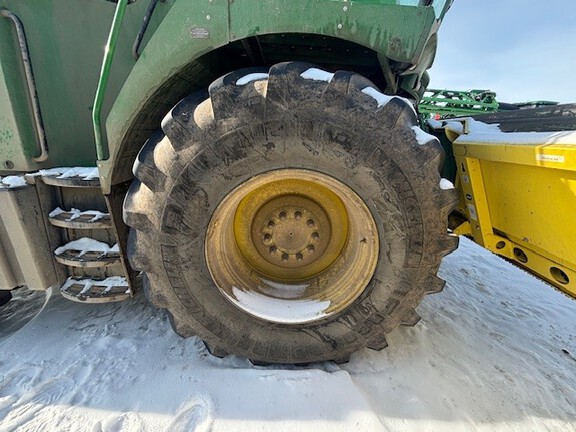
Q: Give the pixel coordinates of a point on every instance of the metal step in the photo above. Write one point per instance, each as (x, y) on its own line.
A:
(87, 253)
(86, 290)
(75, 219)
(80, 218)
(71, 177)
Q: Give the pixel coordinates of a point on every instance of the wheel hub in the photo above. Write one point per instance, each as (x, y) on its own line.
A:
(284, 228)
(292, 235)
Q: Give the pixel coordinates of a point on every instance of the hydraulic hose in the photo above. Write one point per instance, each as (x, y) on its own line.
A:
(143, 28)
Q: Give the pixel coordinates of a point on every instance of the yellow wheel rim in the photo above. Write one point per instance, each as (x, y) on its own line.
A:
(291, 229)
(292, 246)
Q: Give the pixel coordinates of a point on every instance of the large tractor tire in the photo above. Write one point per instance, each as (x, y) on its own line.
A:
(290, 216)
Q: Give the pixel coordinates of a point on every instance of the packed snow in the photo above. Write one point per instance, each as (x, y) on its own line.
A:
(57, 211)
(465, 125)
(278, 309)
(495, 351)
(478, 126)
(446, 184)
(86, 173)
(75, 214)
(251, 77)
(12, 181)
(423, 137)
(109, 282)
(434, 124)
(382, 99)
(317, 75)
(475, 131)
(85, 245)
(520, 138)
(455, 126)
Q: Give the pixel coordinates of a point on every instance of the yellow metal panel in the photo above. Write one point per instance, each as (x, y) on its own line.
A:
(546, 150)
(519, 195)
(535, 207)
(475, 200)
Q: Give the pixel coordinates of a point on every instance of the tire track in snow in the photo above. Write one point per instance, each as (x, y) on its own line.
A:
(197, 414)
(125, 422)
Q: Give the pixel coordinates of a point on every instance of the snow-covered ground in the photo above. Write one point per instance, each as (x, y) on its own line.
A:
(496, 351)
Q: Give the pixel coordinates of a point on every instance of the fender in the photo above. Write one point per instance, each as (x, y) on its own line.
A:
(181, 55)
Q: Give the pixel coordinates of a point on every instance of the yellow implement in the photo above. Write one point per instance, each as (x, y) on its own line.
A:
(518, 192)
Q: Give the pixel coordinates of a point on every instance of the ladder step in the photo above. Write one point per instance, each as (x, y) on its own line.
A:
(87, 252)
(87, 290)
(71, 177)
(76, 219)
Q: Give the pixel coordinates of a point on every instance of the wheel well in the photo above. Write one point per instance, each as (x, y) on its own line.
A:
(266, 50)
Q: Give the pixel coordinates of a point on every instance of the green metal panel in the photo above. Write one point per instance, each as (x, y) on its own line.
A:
(66, 43)
(399, 32)
(191, 29)
(17, 140)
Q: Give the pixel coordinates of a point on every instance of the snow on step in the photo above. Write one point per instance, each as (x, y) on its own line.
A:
(10, 182)
(70, 176)
(87, 290)
(78, 219)
(87, 252)
(86, 245)
(86, 173)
